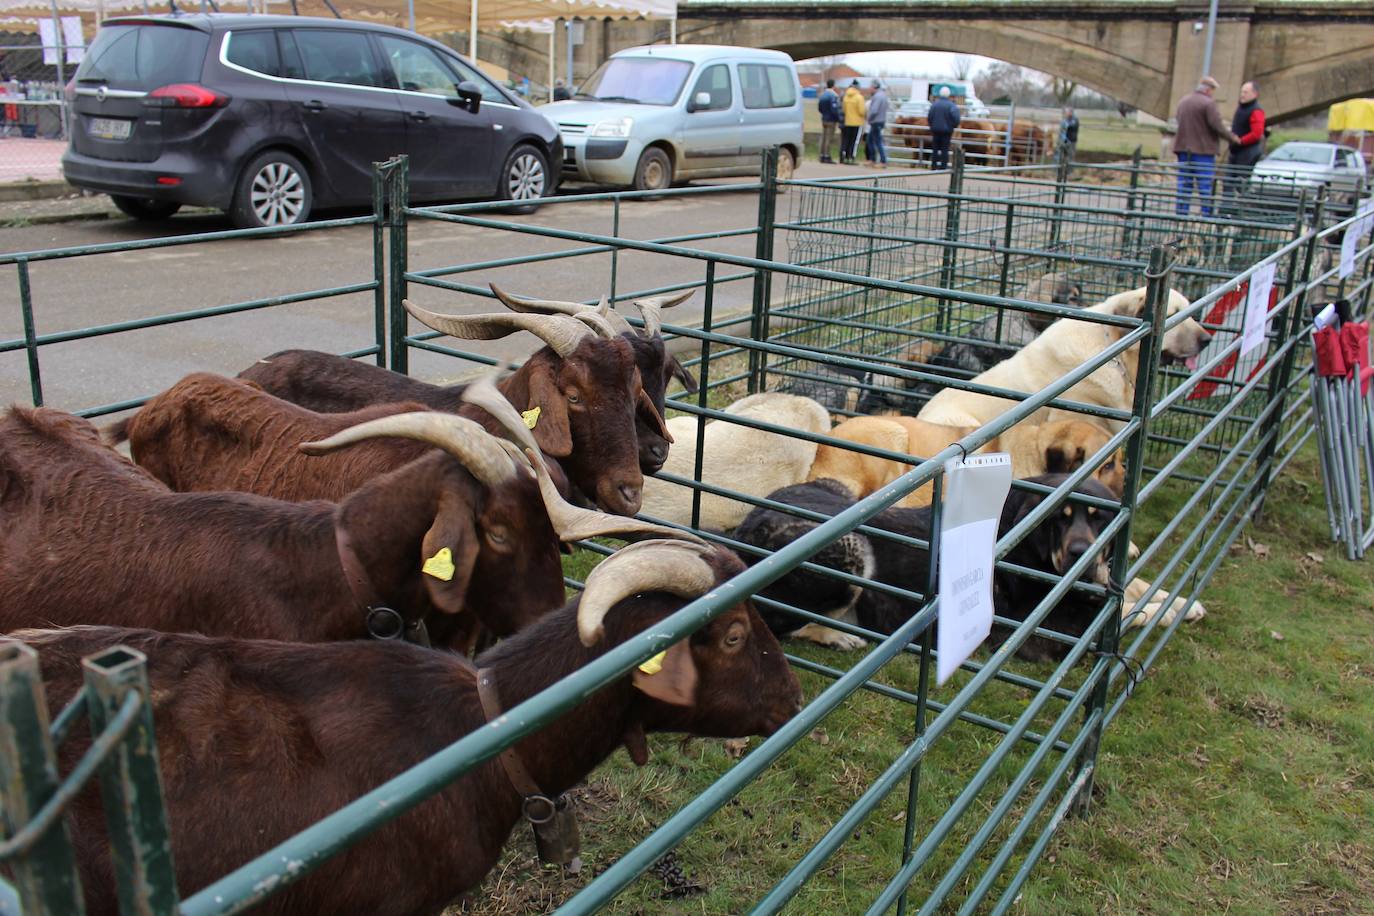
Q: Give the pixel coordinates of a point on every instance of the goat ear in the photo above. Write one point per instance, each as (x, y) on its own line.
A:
(675, 682)
(678, 371)
(446, 575)
(551, 427)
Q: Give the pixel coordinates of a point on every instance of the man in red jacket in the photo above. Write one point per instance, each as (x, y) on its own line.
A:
(1248, 125)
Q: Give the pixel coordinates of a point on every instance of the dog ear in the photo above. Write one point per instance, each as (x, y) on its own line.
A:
(1056, 461)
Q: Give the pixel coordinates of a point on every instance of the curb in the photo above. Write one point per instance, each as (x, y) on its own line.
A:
(46, 219)
(35, 190)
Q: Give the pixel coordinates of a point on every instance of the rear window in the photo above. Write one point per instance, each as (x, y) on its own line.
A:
(255, 50)
(144, 57)
(767, 86)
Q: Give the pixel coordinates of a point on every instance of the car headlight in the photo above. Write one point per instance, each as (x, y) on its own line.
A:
(617, 128)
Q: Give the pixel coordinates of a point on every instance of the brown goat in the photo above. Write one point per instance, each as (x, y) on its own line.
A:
(262, 739)
(597, 413)
(89, 537)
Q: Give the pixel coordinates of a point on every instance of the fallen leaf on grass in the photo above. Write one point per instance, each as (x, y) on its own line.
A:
(1256, 548)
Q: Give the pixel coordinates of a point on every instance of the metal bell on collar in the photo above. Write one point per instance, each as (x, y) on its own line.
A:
(556, 836)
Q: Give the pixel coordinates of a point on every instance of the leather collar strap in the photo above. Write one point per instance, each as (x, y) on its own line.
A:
(519, 777)
(367, 598)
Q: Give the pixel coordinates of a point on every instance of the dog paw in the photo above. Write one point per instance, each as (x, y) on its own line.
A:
(1132, 551)
(833, 639)
(1196, 612)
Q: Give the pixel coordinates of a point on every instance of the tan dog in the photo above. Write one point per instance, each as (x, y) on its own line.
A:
(1049, 448)
(1061, 348)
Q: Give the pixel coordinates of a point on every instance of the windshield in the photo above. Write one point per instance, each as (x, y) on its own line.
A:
(1297, 152)
(641, 80)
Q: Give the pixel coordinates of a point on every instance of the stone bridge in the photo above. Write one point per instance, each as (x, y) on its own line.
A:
(1147, 53)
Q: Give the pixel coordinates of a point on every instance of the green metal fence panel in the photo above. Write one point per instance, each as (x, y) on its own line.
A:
(877, 272)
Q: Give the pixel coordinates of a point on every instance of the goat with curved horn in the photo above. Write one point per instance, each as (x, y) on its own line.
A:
(570, 522)
(651, 309)
(475, 448)
(676, 567)
(562, 334)
(610, 323)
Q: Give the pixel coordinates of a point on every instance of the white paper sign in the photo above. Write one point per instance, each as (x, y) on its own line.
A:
(1348, 254)
(1257, 308)
(975, 490)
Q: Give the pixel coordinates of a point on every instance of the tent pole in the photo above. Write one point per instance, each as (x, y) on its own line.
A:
(472, 35)
(672, 31)
(553, 54)
(410, 8)
(568, 33)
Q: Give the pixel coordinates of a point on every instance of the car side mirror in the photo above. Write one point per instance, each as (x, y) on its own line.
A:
(469, 96)
(700, 102)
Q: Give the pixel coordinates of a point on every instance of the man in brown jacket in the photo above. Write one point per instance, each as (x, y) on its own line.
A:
(1200, 131)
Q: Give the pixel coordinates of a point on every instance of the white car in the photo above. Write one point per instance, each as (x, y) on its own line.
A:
(1307, 165)
(659, 114)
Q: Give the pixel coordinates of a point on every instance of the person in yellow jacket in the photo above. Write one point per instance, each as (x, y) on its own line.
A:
(855, 110)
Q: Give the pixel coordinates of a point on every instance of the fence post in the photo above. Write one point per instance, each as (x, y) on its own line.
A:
(45, 875)
(1006, 145)
(1282, 377)
(1132, 201)
(398, 198)
(949, 259)
(379, 185)
(1061, 179)
(131, 786)
(763, 279)
(30, 334)
(1109, 638)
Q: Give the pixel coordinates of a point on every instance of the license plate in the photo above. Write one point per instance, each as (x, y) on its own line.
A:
(110, 128)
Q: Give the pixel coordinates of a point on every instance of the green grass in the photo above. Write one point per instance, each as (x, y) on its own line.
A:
(1238, 778)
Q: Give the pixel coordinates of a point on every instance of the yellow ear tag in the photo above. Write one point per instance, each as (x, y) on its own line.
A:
(653, 665)
(530, 416)
(440, 566)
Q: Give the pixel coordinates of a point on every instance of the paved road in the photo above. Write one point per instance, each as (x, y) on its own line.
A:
(95, 290)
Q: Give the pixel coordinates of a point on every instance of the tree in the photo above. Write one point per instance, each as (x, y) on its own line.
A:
(1062, 89)
(961, 66)
(1001, 79)
(828, 63)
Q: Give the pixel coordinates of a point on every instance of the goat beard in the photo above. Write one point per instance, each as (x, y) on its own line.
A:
(636, 744)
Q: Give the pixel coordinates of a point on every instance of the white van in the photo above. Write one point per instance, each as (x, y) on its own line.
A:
(659, 114)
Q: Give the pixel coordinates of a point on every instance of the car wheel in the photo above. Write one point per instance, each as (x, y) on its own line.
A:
(525, 176)
(654, 172)
(274, 190)
(145, 207)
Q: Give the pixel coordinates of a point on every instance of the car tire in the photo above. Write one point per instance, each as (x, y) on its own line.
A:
(654, 171)
(524, 176)
(274, 190)
(145, 208)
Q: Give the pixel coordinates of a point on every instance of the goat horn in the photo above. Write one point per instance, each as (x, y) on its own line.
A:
(572, 309)
(675, 567)
(483, 393)
(475, 448)
(651, 309)
(561, 333)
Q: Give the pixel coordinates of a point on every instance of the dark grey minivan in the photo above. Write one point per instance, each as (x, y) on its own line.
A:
(270, 117)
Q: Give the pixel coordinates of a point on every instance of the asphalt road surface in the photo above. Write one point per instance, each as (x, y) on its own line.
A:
(94, 290)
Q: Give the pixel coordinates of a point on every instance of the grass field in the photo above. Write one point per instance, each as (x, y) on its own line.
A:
(1240, 778)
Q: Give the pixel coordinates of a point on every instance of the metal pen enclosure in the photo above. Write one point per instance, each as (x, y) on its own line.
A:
(845, 295)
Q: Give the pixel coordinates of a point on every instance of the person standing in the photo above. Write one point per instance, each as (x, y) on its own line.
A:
(875, 152)
(560, 92)
(1200, 130)
(1248, 126)
(944, 119)
(1068, 133)
(854, 110)
(829, 106)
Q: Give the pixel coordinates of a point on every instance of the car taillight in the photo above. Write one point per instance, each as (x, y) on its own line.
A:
(186, 95)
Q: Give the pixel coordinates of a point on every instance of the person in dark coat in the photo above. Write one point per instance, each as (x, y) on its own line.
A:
(944, 119)
(560, 92)
(1068, 133)
(1248, 125)
(829, 106)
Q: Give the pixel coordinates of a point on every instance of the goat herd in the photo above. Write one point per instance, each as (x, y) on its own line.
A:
(268, 524)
